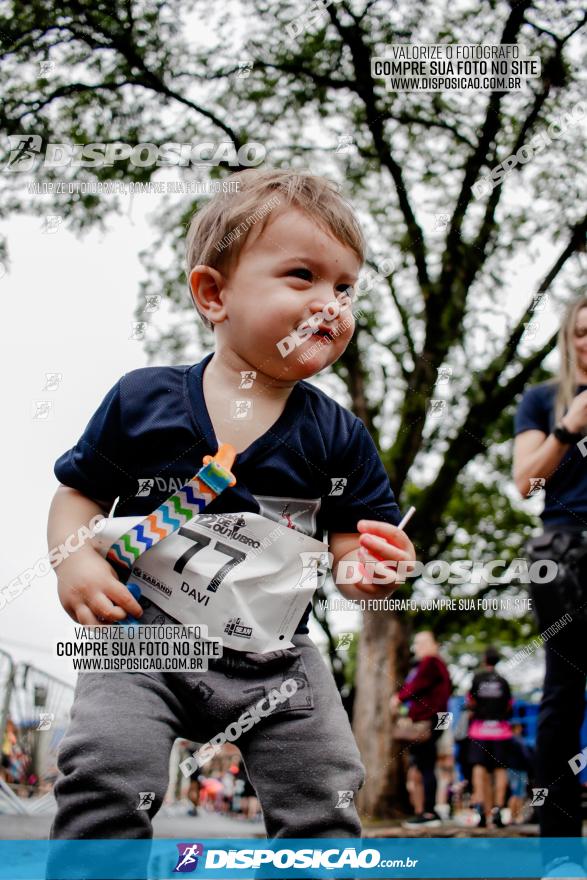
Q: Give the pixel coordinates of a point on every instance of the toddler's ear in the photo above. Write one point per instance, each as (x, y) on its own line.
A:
(206, 285)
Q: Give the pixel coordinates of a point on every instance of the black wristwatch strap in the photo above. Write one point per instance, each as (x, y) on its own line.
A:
(565, 436)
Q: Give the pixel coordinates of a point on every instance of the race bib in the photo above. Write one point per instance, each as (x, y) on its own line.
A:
(245, 577)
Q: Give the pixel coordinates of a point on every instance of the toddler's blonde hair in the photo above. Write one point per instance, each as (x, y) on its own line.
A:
(218, 231)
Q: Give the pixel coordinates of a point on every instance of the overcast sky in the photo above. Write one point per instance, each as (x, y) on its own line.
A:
(67, 308)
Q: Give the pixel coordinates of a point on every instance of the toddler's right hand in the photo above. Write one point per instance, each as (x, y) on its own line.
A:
(90, 592)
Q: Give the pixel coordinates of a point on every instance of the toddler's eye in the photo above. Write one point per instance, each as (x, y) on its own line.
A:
(301, 272)
(346, 288)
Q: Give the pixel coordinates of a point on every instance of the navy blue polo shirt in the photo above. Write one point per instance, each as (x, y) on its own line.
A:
(316, 469)
(565, 503)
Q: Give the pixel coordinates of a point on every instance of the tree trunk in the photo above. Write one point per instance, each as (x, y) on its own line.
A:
(381, 668)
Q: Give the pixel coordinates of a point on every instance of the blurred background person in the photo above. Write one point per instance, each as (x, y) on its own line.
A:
(228, 789)
(490, 736)
(445, 772)
(519, 774)
(193, 793)
(250, 806)
(426, 690)
(550, 423)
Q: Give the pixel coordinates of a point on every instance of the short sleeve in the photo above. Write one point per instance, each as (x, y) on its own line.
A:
(95, 465)
(360, 486)
(534, 411)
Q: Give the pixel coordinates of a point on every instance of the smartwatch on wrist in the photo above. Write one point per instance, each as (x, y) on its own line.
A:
(565, 436)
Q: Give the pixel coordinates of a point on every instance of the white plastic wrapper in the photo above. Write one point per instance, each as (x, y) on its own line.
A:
(246, 577)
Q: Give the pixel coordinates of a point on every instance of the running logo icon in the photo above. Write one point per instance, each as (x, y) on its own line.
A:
(187, 860)
(146, 799)
(24, 151)
(444, 720)
(46, 719)
(315, 565)
(344, 641)
(338, 484)
(536, 486)
(345, 799)
(539, 795)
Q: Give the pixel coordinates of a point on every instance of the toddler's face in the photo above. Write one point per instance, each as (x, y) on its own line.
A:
(283, 277)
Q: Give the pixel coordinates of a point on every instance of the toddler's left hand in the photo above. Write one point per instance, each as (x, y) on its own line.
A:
(383, 543)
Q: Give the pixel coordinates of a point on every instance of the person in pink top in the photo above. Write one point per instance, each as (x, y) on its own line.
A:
(490, 739)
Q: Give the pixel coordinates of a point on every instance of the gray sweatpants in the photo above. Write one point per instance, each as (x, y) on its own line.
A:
(123, 725)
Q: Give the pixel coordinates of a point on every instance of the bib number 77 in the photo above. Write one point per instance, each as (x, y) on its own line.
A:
(200, 542)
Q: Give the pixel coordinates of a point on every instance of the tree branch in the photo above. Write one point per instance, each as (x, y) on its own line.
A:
(488, 398)
(488, 225)
(447, 306)
(353, 36)
(405, 321)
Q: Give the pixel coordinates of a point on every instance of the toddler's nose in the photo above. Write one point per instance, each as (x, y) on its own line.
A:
(328, 308)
